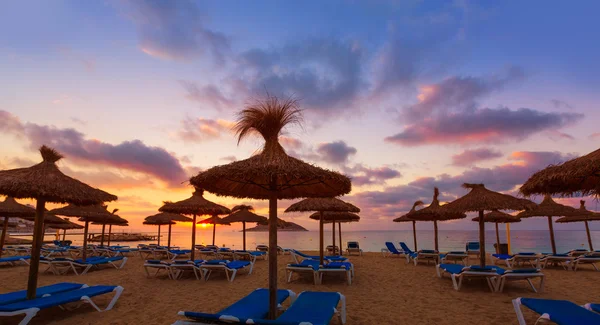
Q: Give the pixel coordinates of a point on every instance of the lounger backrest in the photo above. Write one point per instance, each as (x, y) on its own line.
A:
(390, 246)
(405, 248)
(473, 246)
(353, 245)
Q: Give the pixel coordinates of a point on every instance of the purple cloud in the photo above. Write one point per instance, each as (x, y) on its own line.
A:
(206, 95)
(200, 129)
(471, 156)
(362, 175)
(560, 104)
(337, 152)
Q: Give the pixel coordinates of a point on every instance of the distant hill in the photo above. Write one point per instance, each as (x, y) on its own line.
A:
(286, 226)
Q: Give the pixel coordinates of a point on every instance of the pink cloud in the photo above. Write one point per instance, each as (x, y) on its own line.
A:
(201, 129)
(472, 156)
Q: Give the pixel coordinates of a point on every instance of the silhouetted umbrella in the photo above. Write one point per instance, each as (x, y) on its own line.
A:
(434, 212)
(87, 214)
(111, 222)
(406, 218)
(271, 174)
(243, 214)
(166, 218)
(196, 205)
(66, 226)
(322, 205)
(497, 217)
(585, 216)
(332, 218)
(10, 208)
(481, 199)
(548, 208)
(214, 220)
(579, 175)
(46, 183)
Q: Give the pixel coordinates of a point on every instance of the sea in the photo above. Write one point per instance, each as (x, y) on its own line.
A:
(374, 240)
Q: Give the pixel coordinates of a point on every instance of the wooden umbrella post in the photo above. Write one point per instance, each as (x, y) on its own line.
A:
(340, 235)
(481, 239)
(244, 233)
(64, 234)
(85, 239)
(435, 229)
(587, 230)
(169, 239)
(497, 239)
(193, 238)
(333, 235)
(109, 232)
(158, 235)
(38, 233)
(214, 231)
(273, 249)
(5, 229)
(102, 236)
(321, 238)
(415, 233)
(508, 237)
(551, 227)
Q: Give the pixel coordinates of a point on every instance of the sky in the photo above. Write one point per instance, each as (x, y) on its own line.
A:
(401, 96)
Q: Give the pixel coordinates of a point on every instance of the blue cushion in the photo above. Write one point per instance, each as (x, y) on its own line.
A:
(58, 299)
(562, 312)
(316, 308)
(12, 297)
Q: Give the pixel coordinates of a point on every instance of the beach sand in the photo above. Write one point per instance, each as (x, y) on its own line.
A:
(385, 291)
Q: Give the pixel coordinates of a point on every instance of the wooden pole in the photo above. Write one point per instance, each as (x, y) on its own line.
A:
(481, 240)
(587, 230)
(497, 239)
(340, 235)
(214, 231)
(38, 233)
(321, 237)
(193, 238)
(435, 229)
(64, 234)
(415, 233)
(102, 237)
(244, 233)
(158, 235)
(5, 229)
(273, 248)
(333, 235)
(85, 239)
(169, 239)
(508, 236)
(109, 232)
(552, 235)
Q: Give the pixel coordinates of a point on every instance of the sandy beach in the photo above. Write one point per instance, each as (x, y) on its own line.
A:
(384, 291)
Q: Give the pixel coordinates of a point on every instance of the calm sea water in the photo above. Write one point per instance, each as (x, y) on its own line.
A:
(373, 241)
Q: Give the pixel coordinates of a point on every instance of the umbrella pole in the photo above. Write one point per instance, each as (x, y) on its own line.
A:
(38, 233)
(193, 238)
(552, 235)
(481, 239)
(508, 236)
(214, 231)
(244, 233)
(497, 239)
(169, 239)
(102, 237)
(5, 229)
(273, 249)
(158, 235)
(415, 233)
(64, 234)
(321, 238)
(333, 235)
(85, 240)
(435, 229)
(109, 231)
(340, 235)
(587, 230)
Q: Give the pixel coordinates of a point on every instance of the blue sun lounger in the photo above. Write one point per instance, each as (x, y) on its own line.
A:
(30, 308)
(230, 268)
(13, 260)
(330, 258)
(63, 265)
(561, 312)
(317, 271)
(409, 253)
(310, 308)
(392, 250)
(253, 306)
(592, 307)
(520, 258)
(12, 297)
(496, 276)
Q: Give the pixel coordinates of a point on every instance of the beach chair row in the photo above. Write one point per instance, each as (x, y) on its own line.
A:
(310, 264)
(306, 308)
(62, 265)
(201, 269)
(424, 255)
(495, 276)
(14, 304)
(569, 261)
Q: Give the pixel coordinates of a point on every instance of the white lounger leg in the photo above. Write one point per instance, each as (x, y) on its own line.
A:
(118, 291)
(233, 273)
(517, 306)
(342, 314)
(29, 314)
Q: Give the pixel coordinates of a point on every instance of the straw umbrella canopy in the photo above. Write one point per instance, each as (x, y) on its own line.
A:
(322, 205)
(581, 175)
(10, 208)
(45, 183)
(66, 226)
(332, 218)
(87, 214)
(214, 220)
(243, 213)
(271, 174)
(434, 212)
(406, 218)
(196, 205)
(585, 216)
(111, 222)
(548, 208)
(166, 218)
(481, 199)
(497, 217)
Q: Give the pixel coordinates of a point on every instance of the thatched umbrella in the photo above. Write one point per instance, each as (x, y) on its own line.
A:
(585, 216)
(10, 208)
(111, 222)
(406, 218)
(322, 205)
(548, 208)
(497, 217)
(434, 212)
(166, 218)
(271, 174)
(214, 221)
(243, 214)
(66, 226)
(87, 214)
(332, 218)
(481, 199)
(46, 183)
(196, 205)
(579, 175)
